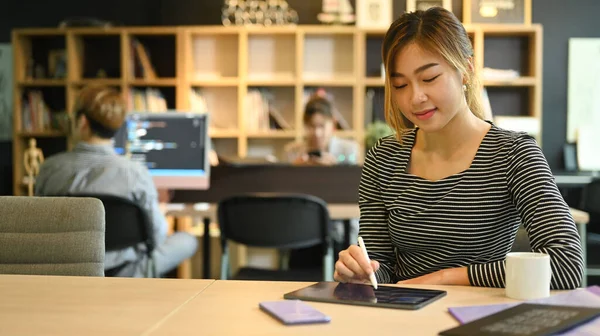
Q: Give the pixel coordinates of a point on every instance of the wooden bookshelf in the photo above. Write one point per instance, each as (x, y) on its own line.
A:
(226, 64)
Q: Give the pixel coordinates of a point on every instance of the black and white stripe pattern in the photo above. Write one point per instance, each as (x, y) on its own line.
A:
(414, 226)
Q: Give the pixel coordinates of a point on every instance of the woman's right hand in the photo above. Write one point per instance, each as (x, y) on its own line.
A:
(352, 266)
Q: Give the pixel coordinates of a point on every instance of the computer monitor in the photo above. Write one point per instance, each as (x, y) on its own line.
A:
(174, 146)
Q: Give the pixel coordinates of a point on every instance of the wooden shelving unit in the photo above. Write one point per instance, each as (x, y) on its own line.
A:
(227, 63)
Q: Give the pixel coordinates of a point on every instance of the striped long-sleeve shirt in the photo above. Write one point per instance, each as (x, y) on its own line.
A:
(414, 226)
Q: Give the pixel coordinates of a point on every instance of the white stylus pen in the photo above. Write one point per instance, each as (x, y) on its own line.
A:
(361, 243)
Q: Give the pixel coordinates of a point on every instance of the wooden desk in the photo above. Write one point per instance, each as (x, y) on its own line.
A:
(34, 305)
(231, 308)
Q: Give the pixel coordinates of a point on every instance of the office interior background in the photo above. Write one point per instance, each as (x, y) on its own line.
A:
(158, 307)
(560, 19)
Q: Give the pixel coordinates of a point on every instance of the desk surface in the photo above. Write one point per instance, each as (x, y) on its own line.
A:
(231, 308)
(34, 305)
(575, 179)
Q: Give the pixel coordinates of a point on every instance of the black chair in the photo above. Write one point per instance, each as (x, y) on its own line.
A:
(280, 221)
(590, 200)
(590, 203)
(127, 225)
(521, 243)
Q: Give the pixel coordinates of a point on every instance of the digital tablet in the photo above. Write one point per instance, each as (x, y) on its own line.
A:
(366, 295)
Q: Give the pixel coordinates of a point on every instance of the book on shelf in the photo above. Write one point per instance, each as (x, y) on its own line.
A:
(36, 115)
(529, 125)
(143, 68)
(201, 101)
(257, 111)
(146, 100)
(499, 74)
(261, 112)
(197, 101)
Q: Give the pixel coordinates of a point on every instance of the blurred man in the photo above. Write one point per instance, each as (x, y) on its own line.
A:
(93, 167)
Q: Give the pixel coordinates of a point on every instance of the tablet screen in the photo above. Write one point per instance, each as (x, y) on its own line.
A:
(366, 295)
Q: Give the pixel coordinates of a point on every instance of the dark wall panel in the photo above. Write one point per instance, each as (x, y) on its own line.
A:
(561, 20)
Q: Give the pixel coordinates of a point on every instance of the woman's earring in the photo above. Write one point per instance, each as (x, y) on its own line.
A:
(465, 87)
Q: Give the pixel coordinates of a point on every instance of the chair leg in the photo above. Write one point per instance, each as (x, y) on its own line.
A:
(150, 271)
(284, 260)
(328, 265)
(154, 270)
(225, 262)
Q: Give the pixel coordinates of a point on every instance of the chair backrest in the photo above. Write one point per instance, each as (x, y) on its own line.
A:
(590, 200)
(51, 236)
(282, 221)
(521, 243)
(127, 223)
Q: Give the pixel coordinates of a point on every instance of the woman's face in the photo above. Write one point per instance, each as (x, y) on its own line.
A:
(319, 130)
(428, 91)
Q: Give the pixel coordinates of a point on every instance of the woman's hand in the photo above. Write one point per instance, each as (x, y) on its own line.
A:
(352, 266)
(326, 159)
(450, 276)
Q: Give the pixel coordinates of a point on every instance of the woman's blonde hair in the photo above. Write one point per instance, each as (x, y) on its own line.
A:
(438, 31)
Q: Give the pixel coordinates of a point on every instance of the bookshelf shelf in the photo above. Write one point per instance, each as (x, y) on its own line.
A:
(521, 81)
(374, 81)
(98, 81)
(153, 82)
(224, 133)
(152, 31)
(42, 82)
(331, 81)
(227, 81)
(219, 70)
(42, 134)
(271, 81)
(346, 134)
(272, 134)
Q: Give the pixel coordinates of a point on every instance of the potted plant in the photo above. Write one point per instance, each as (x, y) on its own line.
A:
(375, 131)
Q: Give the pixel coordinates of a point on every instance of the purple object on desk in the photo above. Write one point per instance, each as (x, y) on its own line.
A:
(588, 297)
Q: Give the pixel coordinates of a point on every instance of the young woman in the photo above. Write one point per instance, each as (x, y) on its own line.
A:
(441, 202)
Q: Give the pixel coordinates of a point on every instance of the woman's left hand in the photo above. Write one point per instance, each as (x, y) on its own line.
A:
(450, 276)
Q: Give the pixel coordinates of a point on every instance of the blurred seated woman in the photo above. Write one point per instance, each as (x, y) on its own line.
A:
(320, 146)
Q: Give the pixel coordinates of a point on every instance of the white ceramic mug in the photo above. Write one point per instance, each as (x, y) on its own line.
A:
(528, 275)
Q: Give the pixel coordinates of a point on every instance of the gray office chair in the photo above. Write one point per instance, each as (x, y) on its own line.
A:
(51, 236)
(282, 222)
